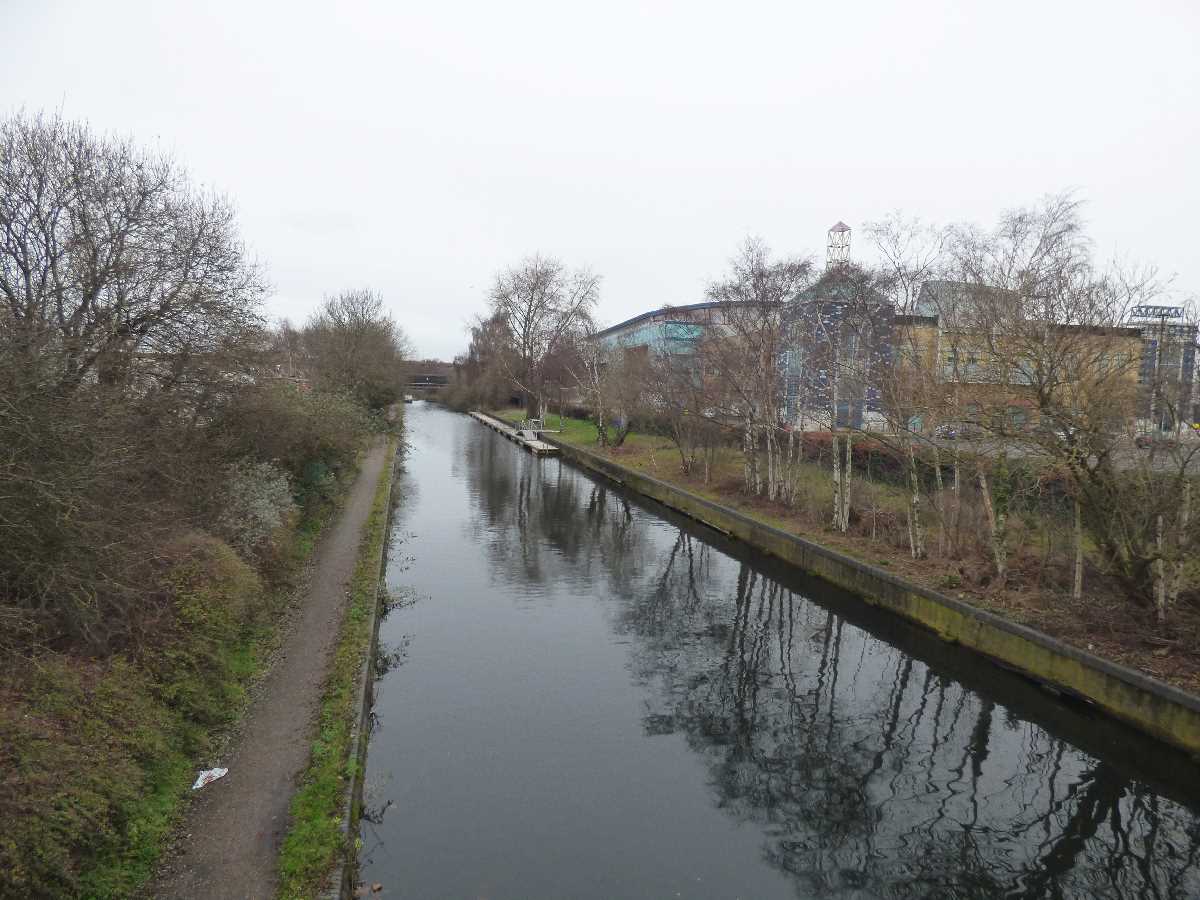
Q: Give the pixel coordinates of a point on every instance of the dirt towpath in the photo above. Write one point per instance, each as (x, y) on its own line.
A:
(229, 842)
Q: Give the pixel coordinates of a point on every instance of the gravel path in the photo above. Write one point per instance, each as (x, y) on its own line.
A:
(231, 834)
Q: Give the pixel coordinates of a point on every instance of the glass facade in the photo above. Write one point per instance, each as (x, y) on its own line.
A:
(667, 336)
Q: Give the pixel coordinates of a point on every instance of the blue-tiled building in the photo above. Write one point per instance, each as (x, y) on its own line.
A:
(836, 346)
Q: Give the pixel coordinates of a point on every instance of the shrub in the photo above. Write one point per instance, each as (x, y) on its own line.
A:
(95, 753)
(215, 597)
(75, 756)
(82, 511)
(255, 501)
(312, 436)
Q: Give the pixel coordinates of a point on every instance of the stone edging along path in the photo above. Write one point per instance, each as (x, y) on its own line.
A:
(1158, 709)
(343, 880)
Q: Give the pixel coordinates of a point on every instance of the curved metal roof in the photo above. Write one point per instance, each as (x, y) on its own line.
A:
(711, 304)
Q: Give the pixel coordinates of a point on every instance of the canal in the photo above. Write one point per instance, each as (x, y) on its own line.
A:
(587, 696)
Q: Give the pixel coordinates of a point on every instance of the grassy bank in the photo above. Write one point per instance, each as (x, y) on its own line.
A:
(1102, 621)
(315, 838)
(97, 754)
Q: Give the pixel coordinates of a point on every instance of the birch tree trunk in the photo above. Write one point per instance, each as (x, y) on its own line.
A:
(996, 523)
(601, 426)
(748, 456)
(836, 446)
(756, 465)
(847, 475)
(835, 443)
(941, 499)
(789, 474)
(956, 541)
(916, 531)
(771, 463)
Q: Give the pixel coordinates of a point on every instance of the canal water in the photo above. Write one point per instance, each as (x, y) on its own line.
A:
(587, 696)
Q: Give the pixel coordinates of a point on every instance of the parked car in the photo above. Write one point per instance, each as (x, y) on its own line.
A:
(1053, 429)
(958, 431)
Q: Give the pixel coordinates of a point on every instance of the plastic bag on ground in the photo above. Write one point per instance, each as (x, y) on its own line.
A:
(207, 777)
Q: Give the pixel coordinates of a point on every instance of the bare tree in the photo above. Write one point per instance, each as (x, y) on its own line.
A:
(544, 308)
(747, 351)
(913, 255)
(108, 255)
(482, 372)
(129, 315)
(354, 345)
(685, 393)
(1049, 331)
(615, 381)
(839, 340)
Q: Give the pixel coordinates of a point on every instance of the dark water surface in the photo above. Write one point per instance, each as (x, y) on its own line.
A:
(593, 698)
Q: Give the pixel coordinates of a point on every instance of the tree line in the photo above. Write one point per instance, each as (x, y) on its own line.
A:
(143, 393)
(997, 377)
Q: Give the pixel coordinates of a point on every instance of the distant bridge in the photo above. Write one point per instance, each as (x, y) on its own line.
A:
(428, 381)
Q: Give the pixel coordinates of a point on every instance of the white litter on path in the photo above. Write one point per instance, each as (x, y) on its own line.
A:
(208, 776)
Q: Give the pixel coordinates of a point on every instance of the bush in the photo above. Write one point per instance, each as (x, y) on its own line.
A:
(136, 406)
(75, 754)
(95, 754)
(312, 436)
(83, 483)
(215, 597)
(256, 500)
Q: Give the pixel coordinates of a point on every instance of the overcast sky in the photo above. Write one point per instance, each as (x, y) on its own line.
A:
(418, 148)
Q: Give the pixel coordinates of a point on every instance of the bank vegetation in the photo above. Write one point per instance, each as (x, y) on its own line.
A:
(167, 458)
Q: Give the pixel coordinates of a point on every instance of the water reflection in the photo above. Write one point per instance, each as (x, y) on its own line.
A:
(869, 767)
(870, 772)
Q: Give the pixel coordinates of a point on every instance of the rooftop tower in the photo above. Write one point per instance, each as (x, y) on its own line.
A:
(838, 248)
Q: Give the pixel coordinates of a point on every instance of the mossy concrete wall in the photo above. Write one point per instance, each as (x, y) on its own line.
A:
(1165, 712)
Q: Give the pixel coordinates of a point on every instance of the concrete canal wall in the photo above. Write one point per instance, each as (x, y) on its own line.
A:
(1165, 712)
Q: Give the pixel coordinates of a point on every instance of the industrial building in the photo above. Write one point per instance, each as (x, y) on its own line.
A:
(849, 358)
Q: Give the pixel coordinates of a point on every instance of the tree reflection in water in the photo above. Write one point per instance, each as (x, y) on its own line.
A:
(870, 772)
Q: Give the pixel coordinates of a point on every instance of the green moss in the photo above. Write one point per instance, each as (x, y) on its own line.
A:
(99, 773)
(315, 838)
(120, 870)
(307, 533)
